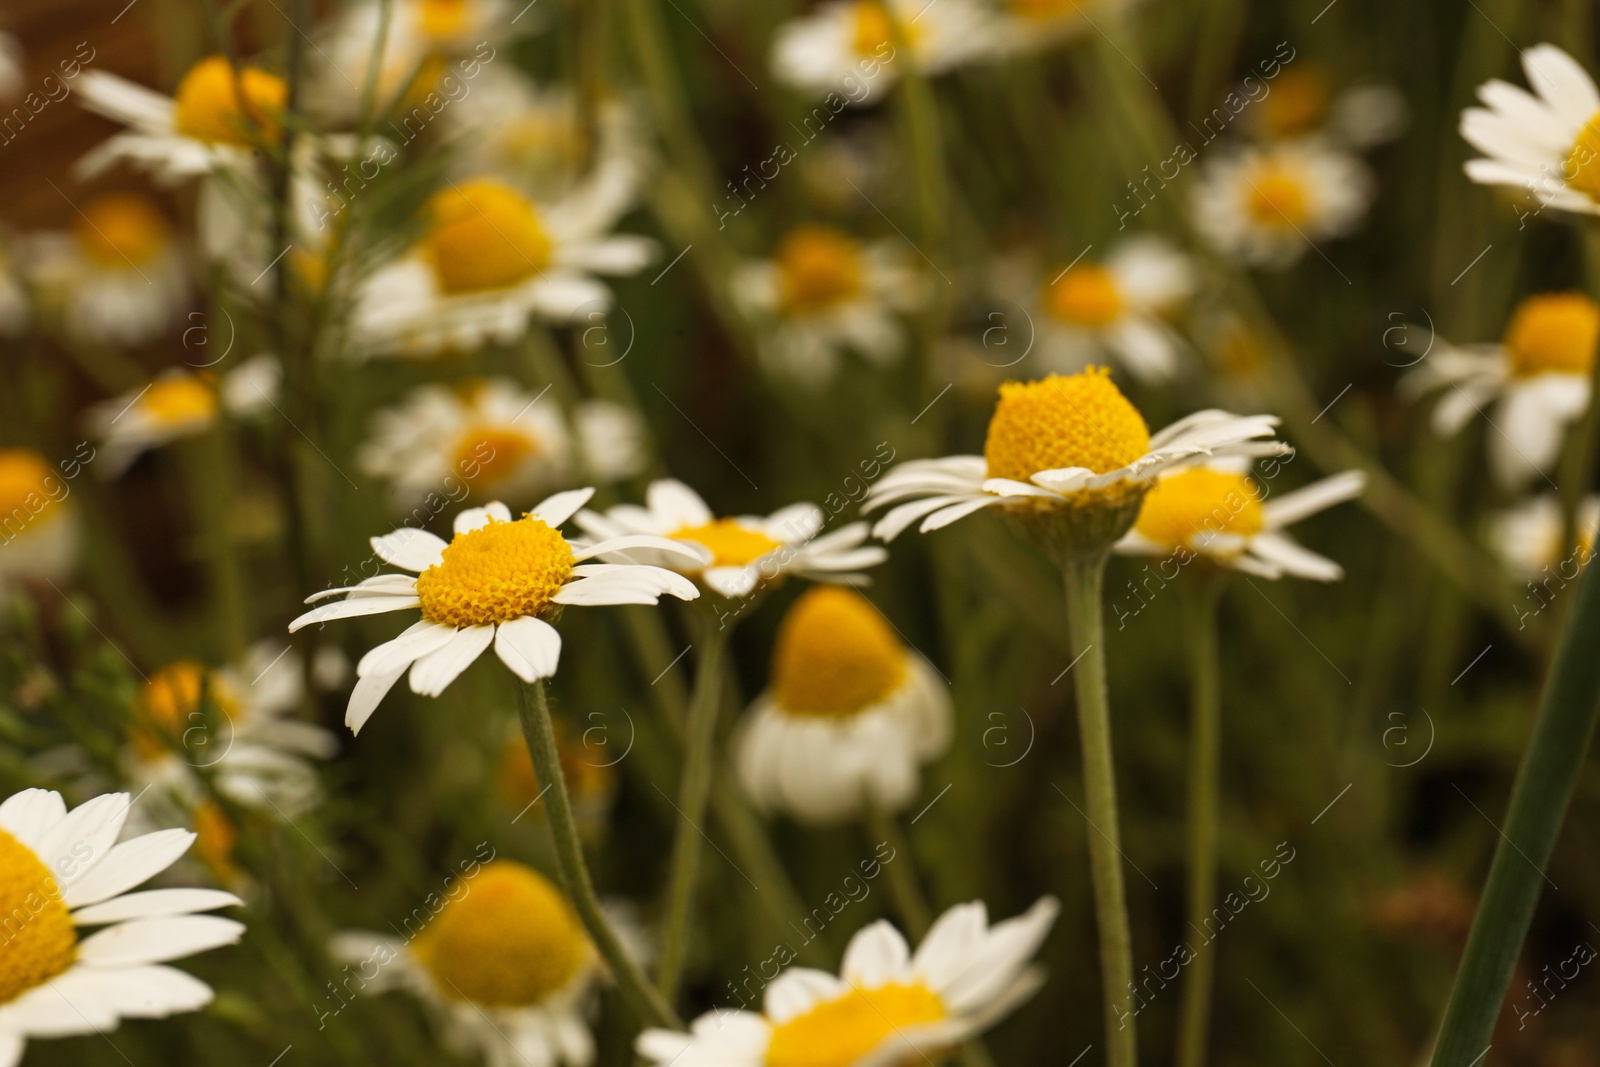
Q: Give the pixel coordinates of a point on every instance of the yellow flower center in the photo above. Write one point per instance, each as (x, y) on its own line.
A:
(730, 544)
(169, 702)
(1553, 333)
(495, 452)
(1296, 104)
(209, 108)
(25, 483)
(496, 573)
(835, 655)
(1077, 421)
(840, 1032)
(1278, 196)
(180, 400)
(484, 236)
(40, 940)
(121, 228)
(873, 29)
(1583, 162)
(512, 940)
(818, 267)
(1197, 503)
(1085, 295)
(442, 19)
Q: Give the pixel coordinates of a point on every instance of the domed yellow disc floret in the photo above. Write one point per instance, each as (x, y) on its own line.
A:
(1582, 170)
(484, 235)
(818, 267)
(1553, 333)
(1077, 421)
(493, 452)
(26, 482)
(730, 544)
(1278, 196)
(180, 400)
(40, 941)
(873, 29)
(208, 103)
(496, 573)
(1297, 103)
(512, 940)
(840, 1032)
(1085, 295)
(835, 655)
(120, 228)
(1197, 503)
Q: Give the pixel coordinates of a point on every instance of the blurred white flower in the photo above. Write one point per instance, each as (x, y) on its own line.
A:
(39, 524)
(1266, 206)
(1527, 537)
(1302, 102)
(612, 440)
(178, 404)
(13, 66)
(1027, 26)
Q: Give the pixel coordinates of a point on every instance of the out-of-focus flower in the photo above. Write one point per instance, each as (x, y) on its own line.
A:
(1527, 537)
(612, 440)
(1538, 373)
(499, 581)
(1266, 206)
(1431, 906)
(823, 292)
(491, 257)
(735, 555)
(1301, 102)
(12, 66)
(62, 870)
(886, 1007)
(846, 48)
(1218, 512)
(176, 405)
(505, 968)
(1548, 145)
(1026, 26)
(591, 780)
(16, 305)
(849, 716)
(1069, 456)
(39, 526)
(118, 278)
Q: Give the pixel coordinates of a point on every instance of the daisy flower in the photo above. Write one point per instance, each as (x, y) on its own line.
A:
(1265, 206)
(1301, 102)
(499, 581)
(1117, 307)
(118, 278)
(1070, 457)
(505, 969)
(176, 405)
(886, 1007)
(1527, 538)
(847, 46)
(612, 440)
(1217, 512)
(1026, 26)
(1549, 144)
(39, 526)
(824, 292)
(62, 870)
(849, 715)
(732, 556)
(490, 258)
(1538, 375)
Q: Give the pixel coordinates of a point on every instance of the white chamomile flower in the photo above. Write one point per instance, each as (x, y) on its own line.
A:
(1537, 376)
(612, 439)
(1265, 206)
(886, 1007)
(1218, 512)
(1026, 26)
(847, 47)
(498, 581)
(491, 257)
(1115, 308)
(39, 525)
(1527, 537)
(849, 716)
(1549, 144)
(118, 278)
(176, 405)
(824, 292)
(733, 556)
(1301, 102)
(60, 871)
(256, 751)
(200, 129)
(1068, 452)
(489, 434)
(505, 969)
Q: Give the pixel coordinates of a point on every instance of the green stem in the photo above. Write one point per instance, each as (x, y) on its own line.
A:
(1539, 799)
(540, 737)
(694, 789)
(208, 464)
(1205, 764)
(1086, 625)
(908, 897)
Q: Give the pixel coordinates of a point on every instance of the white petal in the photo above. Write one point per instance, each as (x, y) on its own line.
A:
(1293, 506)
(129, 864)
(876, 956)
(365, 696)
(347, 609)
(688, 550)
(732, 582)
(28, 814)
(530, 647)
(557, 509)
(416, 641)
(945, 516)
(82, 838)
(146, 992)
(431, 673)
(415, 550)
(152, 903)
(677, 504)
(797, 990)
(474, 518)
(1283, 552)
(156, 940)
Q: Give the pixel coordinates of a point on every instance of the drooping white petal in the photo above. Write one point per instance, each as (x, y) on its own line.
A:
(365, 696)
(414, 642)
(151, 903)
(1291, 507)
(530, 647)
(1283, 552)
(431, 673)
(347, 609)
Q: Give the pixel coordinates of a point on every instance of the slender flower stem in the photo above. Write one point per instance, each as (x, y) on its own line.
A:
(1205, 761)
(694, 789)
(908, 897)
(1086, 625)
(208, 461)
(540, 737)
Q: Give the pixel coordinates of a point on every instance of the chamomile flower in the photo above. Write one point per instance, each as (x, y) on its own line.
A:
(118, 278)
(498, 581)
(612, 440)
(505, 969)
(1265, 206)
(848, 46)
(1117, 307)
(1537, 376)
(490, 258)
(1547, 145)
(1301, 102)
(1069, 457)
(61, 871)
(734, 555)
(824, 292)
(1217, 512)
(886, 1007)
(1025, 26)
(849, 716)
(1527, 537)
(176, 405)
(39, 525)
